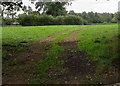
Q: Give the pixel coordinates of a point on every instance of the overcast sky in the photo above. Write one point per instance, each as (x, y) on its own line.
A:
(79, 6)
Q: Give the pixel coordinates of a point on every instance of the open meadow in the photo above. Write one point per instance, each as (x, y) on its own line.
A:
(61, 54)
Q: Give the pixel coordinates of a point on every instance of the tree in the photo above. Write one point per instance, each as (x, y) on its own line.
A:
(72, 12)
(52, 8)
(117, 16)
(35, 13)
(84, 15)
(97, 18)
(27, 9)
(10, 6)
(90, 17)
(107, 17)
(24, 9)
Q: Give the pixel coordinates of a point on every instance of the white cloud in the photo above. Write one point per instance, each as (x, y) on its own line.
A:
(95, 6)
(78, 6)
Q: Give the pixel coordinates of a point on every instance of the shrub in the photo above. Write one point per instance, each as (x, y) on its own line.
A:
(35, 20)
(85, 22)
(45, 20)
(114, 20)
(22, 19)
(59, 20)
(38, 20)
(73, 20)
(27, 20)
(7, 21)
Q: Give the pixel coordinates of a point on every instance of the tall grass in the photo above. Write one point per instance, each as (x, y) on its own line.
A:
(100, 42)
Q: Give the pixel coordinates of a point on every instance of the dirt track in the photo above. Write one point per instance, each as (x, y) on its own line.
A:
(22, 63)
(77, 63)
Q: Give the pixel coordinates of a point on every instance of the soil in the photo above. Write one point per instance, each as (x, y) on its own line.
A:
(21, 64)
(79, 68)
(76, 62)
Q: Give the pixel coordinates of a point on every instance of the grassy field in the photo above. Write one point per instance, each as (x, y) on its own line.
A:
(100, 42)
(11, 35)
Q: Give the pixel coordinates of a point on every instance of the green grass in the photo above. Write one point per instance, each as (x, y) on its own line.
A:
(100, 42)
(51, 61)
(11, 35)
(65, 34)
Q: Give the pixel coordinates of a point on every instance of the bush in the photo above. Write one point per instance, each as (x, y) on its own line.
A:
(7, 21)
(45, 20)
(85, 22)
(59, 20)
(27, 20)
(114, 20)
(22, 19)
(35, 20)
(73, 20)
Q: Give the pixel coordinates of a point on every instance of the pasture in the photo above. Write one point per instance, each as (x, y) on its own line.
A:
(63, 54)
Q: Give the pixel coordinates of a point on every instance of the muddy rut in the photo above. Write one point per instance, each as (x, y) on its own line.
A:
(78, 67)
(76, 62)
(18, 72)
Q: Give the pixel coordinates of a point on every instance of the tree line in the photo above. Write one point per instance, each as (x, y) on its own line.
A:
(52, 13)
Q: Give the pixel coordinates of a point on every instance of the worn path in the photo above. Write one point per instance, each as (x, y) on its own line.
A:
(77, 69)
(22, 63)
(76, 62)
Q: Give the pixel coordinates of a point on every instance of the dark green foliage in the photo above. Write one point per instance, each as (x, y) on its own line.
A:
(52, 8)
(38, 20)
(117, 17)
(92, 17)
(7, 21)
(59, 20)
(45, 20)
(56, 8)
(73, 20)
(35, 20)
(11, 5)
(24, 20)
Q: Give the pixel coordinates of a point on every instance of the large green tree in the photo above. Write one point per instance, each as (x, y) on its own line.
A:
(10, 7)
(117, 16)
(52, 8)
(27, 9)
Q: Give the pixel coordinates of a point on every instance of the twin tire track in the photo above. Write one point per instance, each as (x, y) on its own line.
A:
(18, 72)
(76, 62)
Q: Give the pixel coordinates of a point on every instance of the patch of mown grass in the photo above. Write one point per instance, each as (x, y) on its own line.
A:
(100, 42)
(51, 61)
(12, 36)
(65, 34)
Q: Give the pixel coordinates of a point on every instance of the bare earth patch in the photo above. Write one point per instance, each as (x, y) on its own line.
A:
(77, 67)
(77, 63)
(18, 72)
